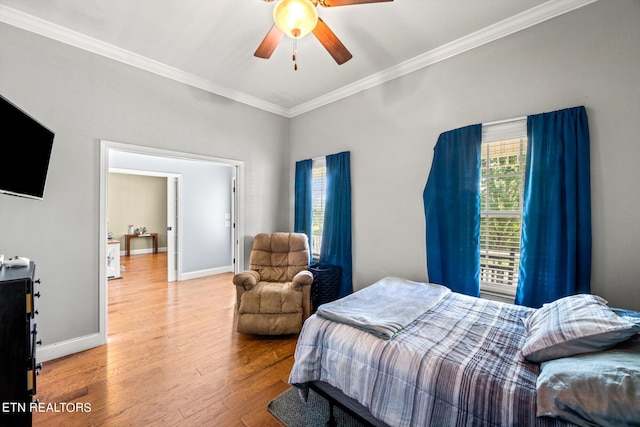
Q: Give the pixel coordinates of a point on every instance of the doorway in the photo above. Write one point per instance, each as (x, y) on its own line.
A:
(167, 227)
(234, 218)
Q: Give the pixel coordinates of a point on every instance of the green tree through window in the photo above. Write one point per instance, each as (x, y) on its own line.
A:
(501, 191)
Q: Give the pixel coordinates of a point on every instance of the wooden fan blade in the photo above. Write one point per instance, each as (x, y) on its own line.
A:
(269, 43)
(329, 40)
(330, 3)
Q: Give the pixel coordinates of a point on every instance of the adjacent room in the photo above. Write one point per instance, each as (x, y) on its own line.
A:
(370, 215)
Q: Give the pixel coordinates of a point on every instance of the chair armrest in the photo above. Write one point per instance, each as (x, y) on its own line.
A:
(303, 278)
(246, 279)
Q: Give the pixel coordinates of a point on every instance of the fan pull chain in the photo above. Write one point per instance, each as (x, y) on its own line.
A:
(295, 54)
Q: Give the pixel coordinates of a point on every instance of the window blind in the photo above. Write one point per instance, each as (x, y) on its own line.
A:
(504, 130)
(501, 188)
(319, 176)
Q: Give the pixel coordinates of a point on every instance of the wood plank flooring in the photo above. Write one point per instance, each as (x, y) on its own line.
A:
(173, 359)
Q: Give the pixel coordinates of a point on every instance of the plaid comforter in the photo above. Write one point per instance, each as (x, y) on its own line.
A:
(455, 365)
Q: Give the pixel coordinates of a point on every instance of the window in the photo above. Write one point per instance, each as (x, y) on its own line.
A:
(504, 150)
(319, 174)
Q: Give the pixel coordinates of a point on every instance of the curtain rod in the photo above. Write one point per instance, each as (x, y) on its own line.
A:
(499, 122)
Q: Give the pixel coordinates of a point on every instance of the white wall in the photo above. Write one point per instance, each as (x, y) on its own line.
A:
(589, 57)
(85, 98)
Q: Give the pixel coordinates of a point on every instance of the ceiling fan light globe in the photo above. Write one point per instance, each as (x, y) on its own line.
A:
(296, 18)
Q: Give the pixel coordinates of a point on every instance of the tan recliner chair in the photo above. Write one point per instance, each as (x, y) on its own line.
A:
(274, 296)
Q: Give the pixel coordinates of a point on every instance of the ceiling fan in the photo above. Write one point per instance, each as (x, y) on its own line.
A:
(296, 18)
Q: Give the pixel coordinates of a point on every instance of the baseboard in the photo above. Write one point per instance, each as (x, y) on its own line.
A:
(142, 251)
(75, 345)
(207, 272)
(65, 348)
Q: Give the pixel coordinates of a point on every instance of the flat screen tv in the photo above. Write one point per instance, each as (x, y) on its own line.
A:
(25, 153)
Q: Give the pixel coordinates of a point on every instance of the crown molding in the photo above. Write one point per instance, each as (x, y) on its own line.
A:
(504, 28)
(44, 28)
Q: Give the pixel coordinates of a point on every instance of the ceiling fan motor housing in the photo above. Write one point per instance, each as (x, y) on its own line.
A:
(296, 18)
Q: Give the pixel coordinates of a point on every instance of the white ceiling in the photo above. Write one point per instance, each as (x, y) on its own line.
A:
(210, 43)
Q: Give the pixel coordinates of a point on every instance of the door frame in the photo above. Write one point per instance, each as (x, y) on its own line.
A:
(174, 246)
(235, 235)
(174, 228)
(107, 146)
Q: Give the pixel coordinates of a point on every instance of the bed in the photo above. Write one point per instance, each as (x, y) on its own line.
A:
(403, 353)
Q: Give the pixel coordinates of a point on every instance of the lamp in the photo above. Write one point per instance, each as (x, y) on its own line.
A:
(296, 18)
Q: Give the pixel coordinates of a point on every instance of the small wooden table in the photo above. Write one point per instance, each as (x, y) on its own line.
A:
(128, 237)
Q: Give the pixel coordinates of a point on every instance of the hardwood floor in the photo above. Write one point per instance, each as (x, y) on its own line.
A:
(173, 359)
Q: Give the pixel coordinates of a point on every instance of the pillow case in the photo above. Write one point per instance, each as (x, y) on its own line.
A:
(630, 315)
(601, 388)
(573, 325)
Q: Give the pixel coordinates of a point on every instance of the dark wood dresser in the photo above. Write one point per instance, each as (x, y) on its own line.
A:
(18, 367)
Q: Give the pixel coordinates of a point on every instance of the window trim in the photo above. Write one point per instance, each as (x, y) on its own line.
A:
(493, 132)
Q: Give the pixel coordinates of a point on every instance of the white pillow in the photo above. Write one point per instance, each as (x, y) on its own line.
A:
(573, 325)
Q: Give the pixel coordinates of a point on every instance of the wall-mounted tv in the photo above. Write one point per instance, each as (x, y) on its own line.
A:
(25, 152)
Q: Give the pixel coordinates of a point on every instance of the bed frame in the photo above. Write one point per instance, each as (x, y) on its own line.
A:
(355, 409)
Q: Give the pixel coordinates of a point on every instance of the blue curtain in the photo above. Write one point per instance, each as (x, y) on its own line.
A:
(452, 211)
(303, 212)
(336, 231)
(555, 257)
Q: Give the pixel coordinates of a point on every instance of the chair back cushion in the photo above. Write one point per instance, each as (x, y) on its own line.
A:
(277, 257)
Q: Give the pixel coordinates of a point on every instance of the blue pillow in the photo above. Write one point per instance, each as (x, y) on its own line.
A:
(573, 325)
(600, 388)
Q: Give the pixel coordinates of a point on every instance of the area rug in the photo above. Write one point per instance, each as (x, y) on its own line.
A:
(292, 411)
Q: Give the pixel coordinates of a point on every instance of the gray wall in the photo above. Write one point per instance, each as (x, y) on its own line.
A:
(589, 57)
(206, 197)
(85, 98)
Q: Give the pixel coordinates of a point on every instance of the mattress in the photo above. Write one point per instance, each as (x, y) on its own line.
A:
(457, 363)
